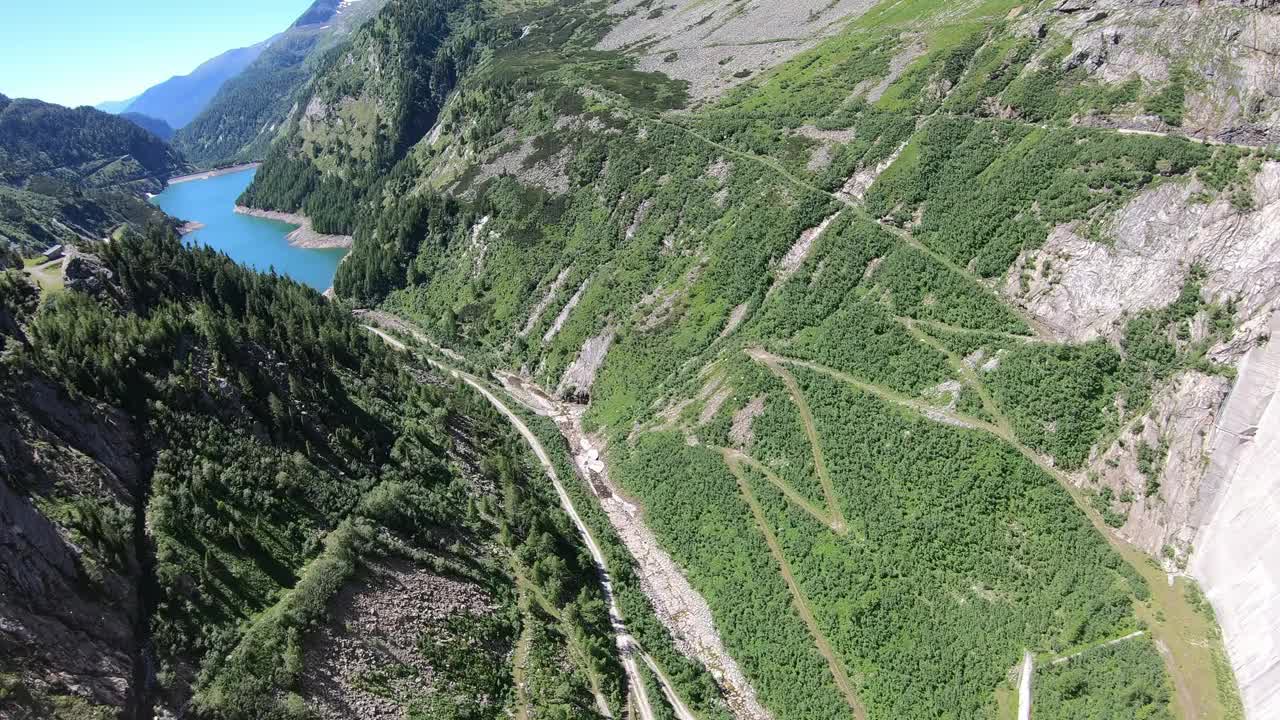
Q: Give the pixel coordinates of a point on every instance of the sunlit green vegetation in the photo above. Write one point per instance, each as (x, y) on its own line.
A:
(290, 447)
(1125, 680)
(1014, 566)
(558, 202)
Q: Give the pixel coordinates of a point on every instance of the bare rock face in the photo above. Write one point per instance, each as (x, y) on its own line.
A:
(1233, 46)
(1237, 551)
(69, 610)
(581, 375)
(1081, 289)
(86, 274)
(1166, 499)
(718, 44)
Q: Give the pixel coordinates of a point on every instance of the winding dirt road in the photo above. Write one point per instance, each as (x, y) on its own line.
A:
(1024, 686)
(628, 648)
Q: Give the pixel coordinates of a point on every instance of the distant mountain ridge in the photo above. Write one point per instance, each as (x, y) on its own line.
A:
(178, 100)
(155, 126)
(320, 11)
(115, 107)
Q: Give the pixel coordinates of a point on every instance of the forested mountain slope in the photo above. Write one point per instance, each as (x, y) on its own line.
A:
(241, 120)
(155, 126)
(178, 100)
(75, 173)
(222, 498)
(909, 333)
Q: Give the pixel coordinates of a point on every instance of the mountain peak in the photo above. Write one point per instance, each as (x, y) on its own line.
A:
(180, 99)
(320, 12)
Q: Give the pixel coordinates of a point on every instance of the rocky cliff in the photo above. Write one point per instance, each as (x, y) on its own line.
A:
(1221, 55)
(1237, 548)
(1210, 512)
(71, 621)
(1082, 289)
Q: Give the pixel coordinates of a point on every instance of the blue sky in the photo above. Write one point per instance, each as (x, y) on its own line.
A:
(82, 52)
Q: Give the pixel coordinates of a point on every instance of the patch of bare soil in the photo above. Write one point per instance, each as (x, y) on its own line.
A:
(542, 305)
(365, 665)
(740, 433)
(735, 319)
(715, 45)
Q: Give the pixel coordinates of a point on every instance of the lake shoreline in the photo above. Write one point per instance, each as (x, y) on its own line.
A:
(331, 293)
(305, 236)
(212, 173)
(264, 246)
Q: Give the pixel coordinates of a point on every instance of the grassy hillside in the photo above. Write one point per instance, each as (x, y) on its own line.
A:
(855, 446)
(239, 483)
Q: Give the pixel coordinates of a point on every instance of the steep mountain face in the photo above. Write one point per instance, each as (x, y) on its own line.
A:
(178, 100)
(75, 173)
(379, 98)
(242, 119)
(891, 316)
(222, 498)
(1220, 56)
(155, 126)
(73, 606)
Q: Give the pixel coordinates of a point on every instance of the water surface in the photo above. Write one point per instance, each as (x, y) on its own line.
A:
(256, 242)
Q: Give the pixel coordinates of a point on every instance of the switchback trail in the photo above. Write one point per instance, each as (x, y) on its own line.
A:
(961, 368)
(1189, 659)
(815, 443)
(840, 528)
(800, 600)
(1109, 643)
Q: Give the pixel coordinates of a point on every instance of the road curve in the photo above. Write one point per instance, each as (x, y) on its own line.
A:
(628, 647)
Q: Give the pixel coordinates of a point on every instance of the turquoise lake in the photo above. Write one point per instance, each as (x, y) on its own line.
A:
(255, 242)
